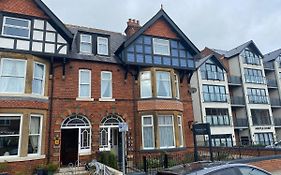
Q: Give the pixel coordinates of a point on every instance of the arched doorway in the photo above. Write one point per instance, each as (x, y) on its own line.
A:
(110, 137)
(75, 138)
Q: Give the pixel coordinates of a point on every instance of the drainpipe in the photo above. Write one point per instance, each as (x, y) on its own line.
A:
(50, 110)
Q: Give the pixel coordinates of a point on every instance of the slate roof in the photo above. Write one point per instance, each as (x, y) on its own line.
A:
(115, 40)
(272, 55)
(201, 61)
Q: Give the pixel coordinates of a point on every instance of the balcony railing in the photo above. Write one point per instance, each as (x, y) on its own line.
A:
(258, 99)
(215, 97)
(255, 79)
(275, 102)
(240, 122)
(212, 75)
(271, 83)
(268, 65)
(237, 100)
(234, 79)
(277, 121)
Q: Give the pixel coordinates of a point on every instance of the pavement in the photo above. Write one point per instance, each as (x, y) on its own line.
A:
(276, 172)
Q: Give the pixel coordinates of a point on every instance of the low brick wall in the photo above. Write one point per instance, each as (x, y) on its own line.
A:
(269, 165)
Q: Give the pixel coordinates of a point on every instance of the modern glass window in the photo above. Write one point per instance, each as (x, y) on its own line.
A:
(166, 131)
(147, 132)
(211, 72)
(254, 76)
(257, 96)
(163, 84)
(16, 27)
(250, 57)
(12, 75)
(34, 141)
(263, 138)
(260, 117)
(106, 84)
(38, 81)
(212, 93)
(217, 116)
(84, 83)
(161, 46)
(177, 87)
(180, 130)
(102, 45)
(9, 135)
(222, 140)
(145, 84)
(86, 43)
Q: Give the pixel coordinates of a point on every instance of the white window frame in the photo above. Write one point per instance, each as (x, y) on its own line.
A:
(170, 89)
(111, 93)
(99, 42)
(161, 42)
(43, 80)
(79, 83)
(85, 42)
(1, 68)
(20, 133)
(19, 27)
(141, 79)
(177, 87)
(82, 151)
(152, 125)
(180, 130)
(40, 134)
(167, 125)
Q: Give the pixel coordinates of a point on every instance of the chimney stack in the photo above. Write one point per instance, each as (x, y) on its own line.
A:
(133, 26)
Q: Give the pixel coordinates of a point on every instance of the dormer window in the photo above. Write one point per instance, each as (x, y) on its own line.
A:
(102, 46)
(85, 44)
(16, 27)
(161, 46)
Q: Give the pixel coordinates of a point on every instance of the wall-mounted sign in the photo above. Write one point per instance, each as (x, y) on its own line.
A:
(123, 127)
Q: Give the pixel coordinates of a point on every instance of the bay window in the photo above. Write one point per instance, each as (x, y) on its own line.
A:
(102, 45)
(147, 132)
(163, 84)
(145, 84)
(84, 83)
(166, 131)
(16, 27)
(34, 141)
(10, 126)
(12, 75)
(38, 79)
(106, 85)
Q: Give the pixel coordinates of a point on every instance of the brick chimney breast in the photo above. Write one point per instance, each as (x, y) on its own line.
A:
(133, 26)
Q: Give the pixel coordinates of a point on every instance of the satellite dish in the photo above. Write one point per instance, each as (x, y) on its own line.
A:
(192, 90)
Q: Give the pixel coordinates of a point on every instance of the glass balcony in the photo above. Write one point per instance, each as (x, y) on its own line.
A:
(271, 83)
(268, 66)
(234, 80)
(275, 102)
(236, 100)
(258, 99)
(215, 97)
(240, 122)
(277, 121)
(255, 79)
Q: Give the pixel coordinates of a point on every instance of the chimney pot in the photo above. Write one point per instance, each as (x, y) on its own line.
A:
(133, 26)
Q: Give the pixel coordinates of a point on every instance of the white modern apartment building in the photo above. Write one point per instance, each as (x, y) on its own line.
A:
(250, 109)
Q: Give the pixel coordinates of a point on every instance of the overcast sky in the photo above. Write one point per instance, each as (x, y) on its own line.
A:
(220, 24)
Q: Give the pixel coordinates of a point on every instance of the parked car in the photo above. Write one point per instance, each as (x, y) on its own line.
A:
(275, 145)
(214, 169)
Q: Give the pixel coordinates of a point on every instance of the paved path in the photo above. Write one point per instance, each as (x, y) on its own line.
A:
(276, 172)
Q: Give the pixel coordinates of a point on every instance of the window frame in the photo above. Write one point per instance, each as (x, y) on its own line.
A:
(24, 77)
(155, 42)
(170, 83)
(84, 42)
(177, 86)
(141, 80)
(101, 85)
(180, 128)
(40, 134)
(79, 84)
(98, 45)
(153, 133)
(43, 79)
(81, 149)
(173, 126)
(18, 27)
(19, 135)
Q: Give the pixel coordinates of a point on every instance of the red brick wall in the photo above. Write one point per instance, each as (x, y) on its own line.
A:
(162, 29)
(25, 7)
(24, 167)
(269, 165)
(27, 104)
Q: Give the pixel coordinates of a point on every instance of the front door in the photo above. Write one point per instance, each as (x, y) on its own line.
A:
(69, 146)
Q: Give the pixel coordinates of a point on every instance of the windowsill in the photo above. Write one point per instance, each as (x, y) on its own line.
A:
(85, 153)
(106, 99)
(23, 95)
(84, 99)
(85, 53)
(19, 159)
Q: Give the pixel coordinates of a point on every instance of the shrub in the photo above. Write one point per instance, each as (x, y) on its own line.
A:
(52, 167)
(3, 167)
(108, 158)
